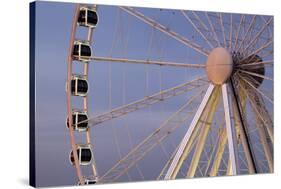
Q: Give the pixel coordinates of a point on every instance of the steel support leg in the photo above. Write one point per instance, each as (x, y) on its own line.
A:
(265, 145)
(219, 154)
(210, 111)
(229, 170)
(242, 131)
(182, 151)
(231, 133)
(263, 138)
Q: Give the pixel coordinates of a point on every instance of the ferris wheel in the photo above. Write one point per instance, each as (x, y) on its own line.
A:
(225, 121)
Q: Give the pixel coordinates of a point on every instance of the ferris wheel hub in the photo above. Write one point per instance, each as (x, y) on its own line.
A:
(219, 66)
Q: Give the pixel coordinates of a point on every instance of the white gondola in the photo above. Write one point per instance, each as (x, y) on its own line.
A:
(84, 154)
(88, 17)
(79, 86)
(77, 117)
(82, 51)
(89, 181)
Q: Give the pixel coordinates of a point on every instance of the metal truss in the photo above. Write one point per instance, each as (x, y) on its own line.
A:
(138, 152)
(147, 101)
(182, 151)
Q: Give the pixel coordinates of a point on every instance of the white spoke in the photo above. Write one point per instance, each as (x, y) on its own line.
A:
(258, 50)
(269, 29)
(257, 90)
(155, 62)
(213, 29)
(260, 112)
(200, 21)
(222, 29)
(197, 29)
(238, 32)
(165, 30)
(265, 63)
(255, 74)
(258, 34)
(145, 102)
(151, 141)
(247, 32)
(230, 32)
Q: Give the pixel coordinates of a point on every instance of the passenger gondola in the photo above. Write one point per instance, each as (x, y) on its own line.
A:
(88, 17)
(82, 51)
(77, 117)
(84, 154)
(89, 181)
(79, 86)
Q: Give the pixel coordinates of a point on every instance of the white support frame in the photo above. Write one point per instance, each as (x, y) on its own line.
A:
(184, 142)
(231, 133)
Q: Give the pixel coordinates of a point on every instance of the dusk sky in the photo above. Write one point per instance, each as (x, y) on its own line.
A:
(117, 35)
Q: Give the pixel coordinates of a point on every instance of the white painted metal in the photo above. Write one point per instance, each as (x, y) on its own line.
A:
(196, 28)
(68, 92)
(209, 112)
(146, 101)
(265, 26)
(155, 62)
(222, 29)
(241, 128)
(231, 133)
(219, 153)
(231, 31)
(238, 32)
(255, 74)
(264, 46)
(179, 158)
(265, 145)
(183, 149)
(265, 63)
(213, 29)
(151, 141)
(85, 99)
(165, 30)
(258, 90)
(263, 115)
(247, 32)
